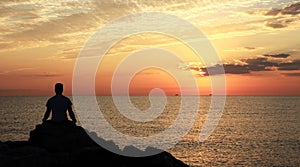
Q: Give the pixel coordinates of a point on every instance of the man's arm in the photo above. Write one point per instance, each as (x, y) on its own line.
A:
(71, 113)
(47, 114)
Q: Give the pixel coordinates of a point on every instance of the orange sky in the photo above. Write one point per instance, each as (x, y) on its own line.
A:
(257, 43)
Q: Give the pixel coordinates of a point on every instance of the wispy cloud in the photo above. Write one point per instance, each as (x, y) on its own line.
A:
(277, 18)
(36, 23)
(244, 49)
(296, 74)
(28, 73)
(42, 75)
(32, 24)
(6, 72)
(247, 21)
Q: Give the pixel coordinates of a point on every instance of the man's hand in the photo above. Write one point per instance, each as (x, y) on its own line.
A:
(47, 114)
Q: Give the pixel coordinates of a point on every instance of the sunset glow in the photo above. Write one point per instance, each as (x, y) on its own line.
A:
(258, 43)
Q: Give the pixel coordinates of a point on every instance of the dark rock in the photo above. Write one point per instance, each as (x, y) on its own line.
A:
(56, 137)
(67, 144)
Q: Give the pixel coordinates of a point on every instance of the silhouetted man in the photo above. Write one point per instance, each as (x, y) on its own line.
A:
(59, 105)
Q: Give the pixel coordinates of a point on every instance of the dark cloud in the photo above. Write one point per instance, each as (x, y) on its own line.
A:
(282, 55)
(259, 64)
(280, 22)
(250, 65)
(212, 70)
(273, 12)
(292, 9)
(294, 65)
(276, 25)
(226, 68)
(236, 69)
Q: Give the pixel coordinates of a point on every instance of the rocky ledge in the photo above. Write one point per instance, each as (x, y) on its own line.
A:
(62, 145)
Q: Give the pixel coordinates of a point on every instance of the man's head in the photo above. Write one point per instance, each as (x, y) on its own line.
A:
(59, 88)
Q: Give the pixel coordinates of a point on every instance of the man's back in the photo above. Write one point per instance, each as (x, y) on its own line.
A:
(59, 105)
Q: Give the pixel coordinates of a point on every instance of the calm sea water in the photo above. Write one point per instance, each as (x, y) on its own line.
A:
(253, 130)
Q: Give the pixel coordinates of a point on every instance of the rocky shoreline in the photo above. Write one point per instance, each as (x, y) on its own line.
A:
(69, 145)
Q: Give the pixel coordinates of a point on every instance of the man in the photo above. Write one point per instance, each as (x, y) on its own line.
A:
(59, 105)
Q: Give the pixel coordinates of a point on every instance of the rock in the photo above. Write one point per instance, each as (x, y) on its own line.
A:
(56, 137)
(67, 144)
(20, 153)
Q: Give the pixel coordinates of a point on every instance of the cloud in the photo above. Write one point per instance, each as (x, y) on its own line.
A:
(8, 72)
(219, 69)
(279, 17)
(296, 74)
(259, 19)
(70, 53)
(259, 64)
(44, 23)
(228, 69)
(243, 49)
(273, 12)
(291, 9)
(276, 24)
(51, 30)
(281, 22)
(28, 72)
(282, 55)
(250, 48)
(247, 66)
(293, 65)
(37, 24)
(43, 75)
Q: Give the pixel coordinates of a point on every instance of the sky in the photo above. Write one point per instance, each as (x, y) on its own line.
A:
(257, 42)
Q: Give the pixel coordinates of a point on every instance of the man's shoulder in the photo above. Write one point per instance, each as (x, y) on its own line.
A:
(51, 98)
(65, 97)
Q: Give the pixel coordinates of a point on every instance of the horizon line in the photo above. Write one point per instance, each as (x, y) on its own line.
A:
(158, 95)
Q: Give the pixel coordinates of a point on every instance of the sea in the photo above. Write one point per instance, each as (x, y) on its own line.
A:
(252, 130)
